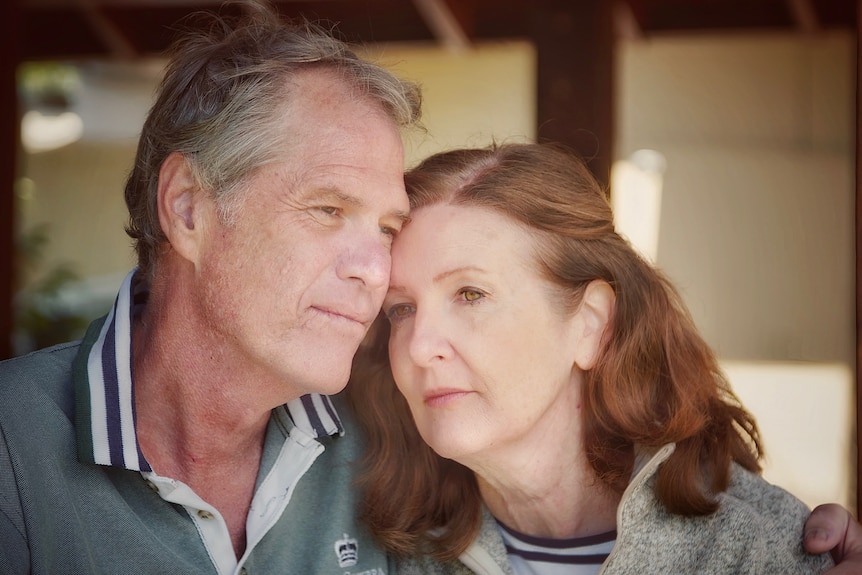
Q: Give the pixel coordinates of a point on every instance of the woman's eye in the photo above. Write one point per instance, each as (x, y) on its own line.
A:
(399, 311)
(471, 294)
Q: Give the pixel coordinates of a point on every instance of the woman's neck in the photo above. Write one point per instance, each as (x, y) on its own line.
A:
(543, 485)
(560, 508)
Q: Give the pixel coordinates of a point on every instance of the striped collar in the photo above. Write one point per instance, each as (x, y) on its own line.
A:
(104, 389)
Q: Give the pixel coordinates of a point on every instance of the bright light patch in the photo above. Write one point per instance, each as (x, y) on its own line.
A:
(41, 132)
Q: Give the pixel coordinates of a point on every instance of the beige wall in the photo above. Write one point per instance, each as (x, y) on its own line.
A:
(805, 412)
(757, 210)
(78, 191)
(471, 97)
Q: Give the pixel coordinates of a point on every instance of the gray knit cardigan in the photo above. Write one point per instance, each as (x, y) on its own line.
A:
(756, 530)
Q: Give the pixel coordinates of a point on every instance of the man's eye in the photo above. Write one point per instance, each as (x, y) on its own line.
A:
(329, 210)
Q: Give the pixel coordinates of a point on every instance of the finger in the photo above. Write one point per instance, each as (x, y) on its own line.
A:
(847, 567)
(827, 529)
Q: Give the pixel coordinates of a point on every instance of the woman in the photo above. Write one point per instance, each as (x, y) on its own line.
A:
(556, 410)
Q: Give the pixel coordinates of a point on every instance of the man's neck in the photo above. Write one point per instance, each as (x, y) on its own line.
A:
(198, 418)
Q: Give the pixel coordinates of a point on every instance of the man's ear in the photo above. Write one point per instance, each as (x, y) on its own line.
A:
(180, 209)
(591, 322)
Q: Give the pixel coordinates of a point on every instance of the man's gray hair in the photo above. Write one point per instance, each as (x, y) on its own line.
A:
(218, 103)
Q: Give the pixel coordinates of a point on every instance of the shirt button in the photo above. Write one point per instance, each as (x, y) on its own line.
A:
(204, 514)
(243, 571)
(152, 486)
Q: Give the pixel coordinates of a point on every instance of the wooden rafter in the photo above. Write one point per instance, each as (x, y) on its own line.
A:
(804, 15)
(118, 45)
(443, 23)
(626, 25)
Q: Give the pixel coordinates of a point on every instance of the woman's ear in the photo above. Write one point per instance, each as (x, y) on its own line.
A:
(591, 322)
(180, 212)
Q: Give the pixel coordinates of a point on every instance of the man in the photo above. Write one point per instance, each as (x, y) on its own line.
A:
(265, 194)
(191, 430)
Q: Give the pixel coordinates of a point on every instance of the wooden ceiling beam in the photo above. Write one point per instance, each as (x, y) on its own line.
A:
(804, 14)
(118, 45)
(626, 25)
(443, 23)
(575, 79)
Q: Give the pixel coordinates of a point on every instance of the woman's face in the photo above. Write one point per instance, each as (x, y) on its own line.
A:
(480, 347)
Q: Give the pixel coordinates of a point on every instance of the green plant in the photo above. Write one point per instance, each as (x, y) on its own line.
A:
(42, 317)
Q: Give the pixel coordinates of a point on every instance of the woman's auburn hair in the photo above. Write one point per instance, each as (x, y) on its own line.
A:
(655, 381)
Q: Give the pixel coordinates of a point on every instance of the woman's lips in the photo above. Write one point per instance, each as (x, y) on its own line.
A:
(443, 397)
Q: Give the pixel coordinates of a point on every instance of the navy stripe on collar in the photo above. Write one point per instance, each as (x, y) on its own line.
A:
(111, 389)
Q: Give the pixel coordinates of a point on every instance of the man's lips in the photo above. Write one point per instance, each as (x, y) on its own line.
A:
(363, 319)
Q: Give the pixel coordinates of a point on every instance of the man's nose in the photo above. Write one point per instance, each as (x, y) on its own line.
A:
(368, 260)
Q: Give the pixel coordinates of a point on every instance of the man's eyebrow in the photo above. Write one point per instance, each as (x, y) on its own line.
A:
(335, 194)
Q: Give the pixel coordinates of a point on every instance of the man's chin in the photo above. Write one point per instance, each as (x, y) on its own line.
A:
(323, 373)
(333, 382)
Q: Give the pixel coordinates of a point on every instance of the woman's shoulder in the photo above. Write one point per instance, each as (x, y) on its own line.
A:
(756, 529)
(748, 490)
(769, 520)
(486, 555)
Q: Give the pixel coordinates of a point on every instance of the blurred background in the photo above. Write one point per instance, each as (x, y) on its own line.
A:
(725, 131)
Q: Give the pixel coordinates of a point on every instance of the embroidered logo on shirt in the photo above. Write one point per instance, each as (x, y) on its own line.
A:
(347, 550)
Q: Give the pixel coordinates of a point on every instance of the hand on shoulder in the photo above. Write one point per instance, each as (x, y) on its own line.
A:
(832, 528)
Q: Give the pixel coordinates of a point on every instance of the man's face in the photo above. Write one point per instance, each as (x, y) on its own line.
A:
(291, 287)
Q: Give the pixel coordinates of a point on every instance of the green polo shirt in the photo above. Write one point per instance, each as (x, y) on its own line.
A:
(78, 497)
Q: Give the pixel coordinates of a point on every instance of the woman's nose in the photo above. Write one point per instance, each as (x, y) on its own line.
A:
(427, 342)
